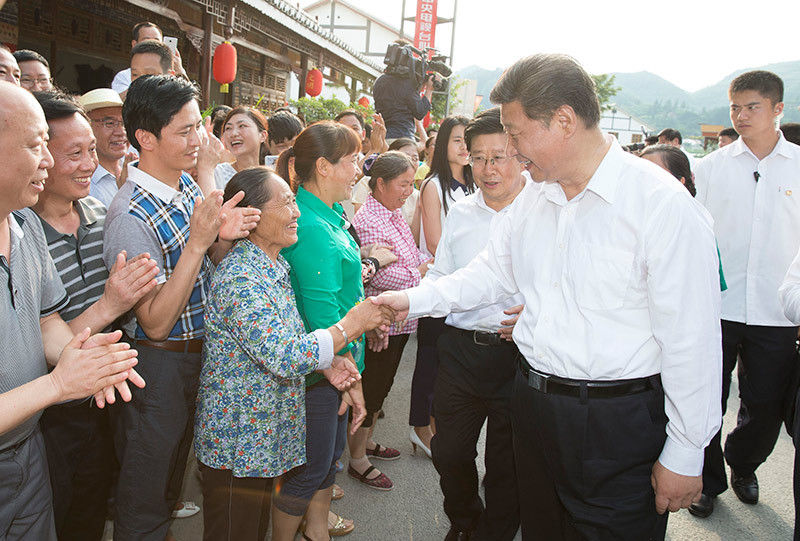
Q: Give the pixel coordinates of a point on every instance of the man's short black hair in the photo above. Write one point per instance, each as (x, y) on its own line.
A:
(651, 140)
(151, 46)
(728, 132)
(26, 55)
(791, 132)
(152, 101)
(145, 24)
(486, 123)
(283, 126)
(351, 112)
(671, 134)
(766, 83)
(57, 105)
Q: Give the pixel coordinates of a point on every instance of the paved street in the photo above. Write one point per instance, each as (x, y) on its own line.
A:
(413, 510)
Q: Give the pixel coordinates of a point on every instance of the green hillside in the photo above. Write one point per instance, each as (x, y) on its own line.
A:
(662, 104)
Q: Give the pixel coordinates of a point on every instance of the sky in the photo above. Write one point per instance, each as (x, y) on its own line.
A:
(691, 43)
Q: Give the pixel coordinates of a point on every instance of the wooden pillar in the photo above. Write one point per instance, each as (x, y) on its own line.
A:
(205, 63)
(353, 89)
(301, 92)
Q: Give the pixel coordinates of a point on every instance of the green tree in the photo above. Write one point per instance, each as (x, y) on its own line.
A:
(606, 89)
(439, 102)
(316, 109)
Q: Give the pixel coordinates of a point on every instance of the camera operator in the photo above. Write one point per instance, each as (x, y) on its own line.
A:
(400, 101)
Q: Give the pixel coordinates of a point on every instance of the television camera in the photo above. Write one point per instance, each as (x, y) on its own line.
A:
(408, 61)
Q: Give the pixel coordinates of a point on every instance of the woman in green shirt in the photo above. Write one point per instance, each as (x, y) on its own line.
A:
(326, 278)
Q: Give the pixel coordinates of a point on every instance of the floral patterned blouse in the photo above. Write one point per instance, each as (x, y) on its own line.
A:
(251, 398)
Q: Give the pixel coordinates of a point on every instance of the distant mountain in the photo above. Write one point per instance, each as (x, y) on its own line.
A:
(662, 104)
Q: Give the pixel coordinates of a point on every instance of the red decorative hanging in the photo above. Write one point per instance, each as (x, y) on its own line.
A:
(426, 121)
(224, 65)
(314, 82)
(363, 101)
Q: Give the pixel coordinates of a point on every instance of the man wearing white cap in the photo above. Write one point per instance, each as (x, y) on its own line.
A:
(104, 108)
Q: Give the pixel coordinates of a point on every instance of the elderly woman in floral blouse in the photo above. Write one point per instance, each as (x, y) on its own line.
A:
(250, 421)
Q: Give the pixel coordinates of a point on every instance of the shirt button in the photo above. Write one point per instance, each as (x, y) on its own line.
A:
(555, 284)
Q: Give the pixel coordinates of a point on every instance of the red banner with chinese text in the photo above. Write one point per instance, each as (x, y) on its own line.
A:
(425, 27)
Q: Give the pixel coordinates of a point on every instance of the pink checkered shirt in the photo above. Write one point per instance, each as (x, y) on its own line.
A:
(375, 223)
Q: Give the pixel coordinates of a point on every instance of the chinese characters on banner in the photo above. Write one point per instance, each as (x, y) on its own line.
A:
(425, 32)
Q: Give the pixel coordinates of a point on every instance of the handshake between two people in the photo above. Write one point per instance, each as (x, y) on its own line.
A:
(374, 316)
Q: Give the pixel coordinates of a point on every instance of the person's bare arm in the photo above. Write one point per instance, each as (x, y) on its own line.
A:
(431, 216)
(127, 283)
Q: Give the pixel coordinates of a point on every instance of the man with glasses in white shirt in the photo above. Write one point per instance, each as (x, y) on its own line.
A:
(616, 393)
(104, 109)
(477, 359)
(752, 189)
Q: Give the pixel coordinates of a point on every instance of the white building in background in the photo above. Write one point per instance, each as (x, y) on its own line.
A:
(465, 96)
(360, 30)
(626, 128)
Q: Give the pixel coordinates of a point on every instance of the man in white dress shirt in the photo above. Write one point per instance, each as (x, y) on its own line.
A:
(752, 189)
(617, 390)
(476, 364)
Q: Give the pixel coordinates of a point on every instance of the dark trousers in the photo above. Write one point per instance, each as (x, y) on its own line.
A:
(766, 356)
(584, 466)
(26, 507)
(152, 436)
(80, 453)
(424, 379)
(378, 376)
(234, 508)
(326, 435)
(474, 384)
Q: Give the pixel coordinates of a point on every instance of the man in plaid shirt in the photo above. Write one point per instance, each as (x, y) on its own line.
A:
(160, 211)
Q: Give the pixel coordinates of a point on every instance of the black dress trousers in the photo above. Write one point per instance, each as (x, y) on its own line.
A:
(766, 357)
(473, 384)
(584, 465)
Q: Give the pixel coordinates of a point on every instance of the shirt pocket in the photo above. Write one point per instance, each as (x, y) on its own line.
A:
(602, 276)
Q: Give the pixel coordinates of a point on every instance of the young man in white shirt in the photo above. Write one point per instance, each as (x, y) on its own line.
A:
(476, 364)
(616, 393)
(752, 190)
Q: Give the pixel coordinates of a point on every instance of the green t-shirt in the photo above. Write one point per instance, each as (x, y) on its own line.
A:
(326, 270)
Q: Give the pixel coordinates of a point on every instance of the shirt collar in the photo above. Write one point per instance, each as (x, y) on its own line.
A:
(151, 184)
(481, 202)
(376, 207)
(86, 215)
(313, 203)
(15, 222)
(605, 180)
(100, 173)
(456, 185)
(782, 148)
(277, 270)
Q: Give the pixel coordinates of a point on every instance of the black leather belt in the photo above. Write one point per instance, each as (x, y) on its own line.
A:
(483, 338)
(546, 383)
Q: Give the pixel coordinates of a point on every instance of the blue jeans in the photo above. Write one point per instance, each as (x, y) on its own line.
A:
(326, 435)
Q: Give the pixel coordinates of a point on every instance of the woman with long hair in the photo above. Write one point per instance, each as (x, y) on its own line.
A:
(244, 134)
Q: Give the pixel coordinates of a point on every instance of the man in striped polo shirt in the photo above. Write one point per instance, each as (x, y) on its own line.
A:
(31, 330)
(77, 434)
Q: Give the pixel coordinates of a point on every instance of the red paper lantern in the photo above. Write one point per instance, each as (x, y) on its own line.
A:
(224, 65)
(314, 82)
(363, 101)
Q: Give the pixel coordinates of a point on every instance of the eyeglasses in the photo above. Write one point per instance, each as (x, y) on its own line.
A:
(40, 81)
(109, 123)
(482, 162)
